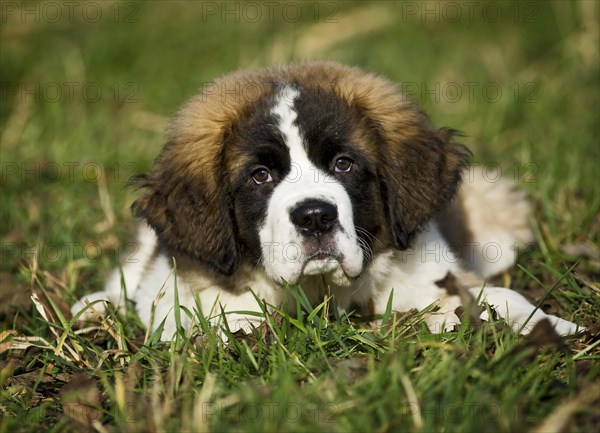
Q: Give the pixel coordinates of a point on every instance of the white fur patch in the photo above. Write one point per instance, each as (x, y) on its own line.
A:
(518, 312)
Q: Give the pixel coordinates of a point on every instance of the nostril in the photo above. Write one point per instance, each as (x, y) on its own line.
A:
(328, 214)
(304, 217)
(314, 216)
(306, 221)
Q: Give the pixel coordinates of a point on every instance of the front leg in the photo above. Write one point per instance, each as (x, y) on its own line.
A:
(155, 302)
(518, 312)
(511, 306)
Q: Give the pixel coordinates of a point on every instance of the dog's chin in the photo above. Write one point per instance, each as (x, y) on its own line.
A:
(334, 267)
(319, 266)
(331, 267)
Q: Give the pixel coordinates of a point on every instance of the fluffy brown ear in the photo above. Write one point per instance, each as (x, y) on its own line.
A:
(421, 175)
(188, 201)
(189, 209)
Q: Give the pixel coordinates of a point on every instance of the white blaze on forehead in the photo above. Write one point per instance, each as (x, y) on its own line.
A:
(284, 109)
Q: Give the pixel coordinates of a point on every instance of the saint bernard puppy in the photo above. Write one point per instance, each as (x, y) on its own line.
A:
(323, 176)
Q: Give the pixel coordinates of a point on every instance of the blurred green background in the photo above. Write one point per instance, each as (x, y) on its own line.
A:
(88, 89)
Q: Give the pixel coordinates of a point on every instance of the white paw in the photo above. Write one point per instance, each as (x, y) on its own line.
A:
(444, 319)
(561, 326)
(518, 312)
(441, 322)
(236, 324)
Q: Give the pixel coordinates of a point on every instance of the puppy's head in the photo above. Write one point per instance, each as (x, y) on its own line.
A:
(304, 170)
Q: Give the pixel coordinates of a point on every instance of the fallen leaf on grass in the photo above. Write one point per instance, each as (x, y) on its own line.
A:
(80, 399)
(30, 378)
(22, 385)
(469, 307)
(542, 336)
(13, 297)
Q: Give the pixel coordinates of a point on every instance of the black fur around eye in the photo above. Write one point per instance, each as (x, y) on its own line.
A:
(343, 165)
(261, 175)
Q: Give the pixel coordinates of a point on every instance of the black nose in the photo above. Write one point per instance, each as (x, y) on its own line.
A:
(314, 216)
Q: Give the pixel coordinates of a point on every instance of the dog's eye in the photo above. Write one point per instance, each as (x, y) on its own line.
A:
(261, 175)
(343, 165)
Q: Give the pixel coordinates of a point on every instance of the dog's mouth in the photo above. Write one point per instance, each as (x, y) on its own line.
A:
(321, 262)
(327, 263)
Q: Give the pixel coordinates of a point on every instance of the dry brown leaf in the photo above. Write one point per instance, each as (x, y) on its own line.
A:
(13, 296)
(456, 287)
(80, 399)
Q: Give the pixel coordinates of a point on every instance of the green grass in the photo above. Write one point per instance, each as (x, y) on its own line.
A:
(63, 231)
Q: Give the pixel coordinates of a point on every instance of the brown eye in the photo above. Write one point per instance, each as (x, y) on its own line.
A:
(261, 175)
(343, 165)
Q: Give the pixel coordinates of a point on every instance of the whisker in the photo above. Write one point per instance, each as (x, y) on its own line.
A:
(369, 235)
